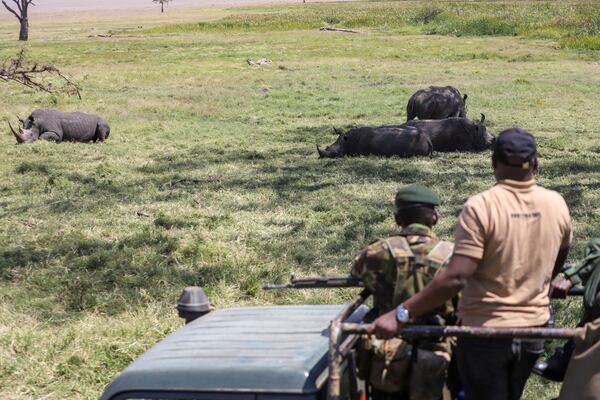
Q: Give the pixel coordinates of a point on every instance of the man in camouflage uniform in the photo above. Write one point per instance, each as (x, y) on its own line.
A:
(586, 272)
(394, 269)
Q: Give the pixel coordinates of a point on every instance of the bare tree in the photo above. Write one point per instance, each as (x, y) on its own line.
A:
(162, 4)
(37, 77)
(22, 15)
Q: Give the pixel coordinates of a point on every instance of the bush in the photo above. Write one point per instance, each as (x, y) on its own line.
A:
(426, 15)
(581, 42)
(479, 26)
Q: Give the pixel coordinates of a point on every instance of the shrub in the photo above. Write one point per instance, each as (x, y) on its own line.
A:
(426, 14)
(581, 42)
(478, 26)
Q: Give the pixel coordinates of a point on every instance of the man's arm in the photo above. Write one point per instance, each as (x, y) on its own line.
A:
(561, 258)
(560, 288)
(443, 287)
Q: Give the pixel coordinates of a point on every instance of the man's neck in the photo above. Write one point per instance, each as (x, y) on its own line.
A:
(524, 177)
(503, 171)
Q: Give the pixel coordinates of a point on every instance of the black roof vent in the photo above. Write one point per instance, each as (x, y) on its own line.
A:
(193, 303)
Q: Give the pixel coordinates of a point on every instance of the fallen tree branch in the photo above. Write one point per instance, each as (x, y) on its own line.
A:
(101, 35)
(328, 28)
(36, 76)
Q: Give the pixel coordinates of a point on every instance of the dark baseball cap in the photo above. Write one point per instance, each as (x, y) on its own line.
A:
(515, 147)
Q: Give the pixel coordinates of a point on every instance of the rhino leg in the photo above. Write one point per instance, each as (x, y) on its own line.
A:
(53, 136)
(102, 132)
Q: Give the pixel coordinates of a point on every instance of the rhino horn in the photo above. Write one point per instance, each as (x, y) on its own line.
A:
(17, 136)
(21, 120)
(321, 152)
(482, 118)
(337, 131)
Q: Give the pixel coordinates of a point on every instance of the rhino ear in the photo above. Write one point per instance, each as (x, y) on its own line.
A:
(482, 118)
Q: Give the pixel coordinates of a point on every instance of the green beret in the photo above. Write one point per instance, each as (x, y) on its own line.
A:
(416, 193)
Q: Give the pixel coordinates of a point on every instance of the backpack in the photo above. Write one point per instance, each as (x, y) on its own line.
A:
(385, 364)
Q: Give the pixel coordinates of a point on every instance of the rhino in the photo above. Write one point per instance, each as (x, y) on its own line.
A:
(436, 102)
(382, 141)
(50, 124)
(454, 134)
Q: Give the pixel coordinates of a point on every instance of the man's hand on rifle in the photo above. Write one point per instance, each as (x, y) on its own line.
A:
(561, 287)
(386, 326)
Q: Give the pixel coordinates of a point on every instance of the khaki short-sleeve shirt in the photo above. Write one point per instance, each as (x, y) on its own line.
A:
(516, 230)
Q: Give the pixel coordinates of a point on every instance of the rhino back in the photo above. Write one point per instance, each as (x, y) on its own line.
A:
(389, 141)
(450, 134)
(46, 119)
(79, 126)
(438, 102)
(359, 141)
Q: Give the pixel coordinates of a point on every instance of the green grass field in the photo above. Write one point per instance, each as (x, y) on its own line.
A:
(210, 176)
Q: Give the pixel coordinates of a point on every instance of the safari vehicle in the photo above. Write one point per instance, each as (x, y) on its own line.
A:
(249, 353)
(303, 352)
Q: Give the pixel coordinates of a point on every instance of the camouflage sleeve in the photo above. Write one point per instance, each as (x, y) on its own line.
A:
(574, 274)
(373, 259)
(375, 266)
(359, 265)
(579, 273)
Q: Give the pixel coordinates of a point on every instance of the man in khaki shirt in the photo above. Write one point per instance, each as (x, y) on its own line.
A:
(511, 240)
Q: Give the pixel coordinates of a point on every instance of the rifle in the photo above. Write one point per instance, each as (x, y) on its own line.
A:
(346, 281)
(317, 282)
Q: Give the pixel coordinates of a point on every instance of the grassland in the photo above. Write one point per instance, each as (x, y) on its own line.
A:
(210, 176)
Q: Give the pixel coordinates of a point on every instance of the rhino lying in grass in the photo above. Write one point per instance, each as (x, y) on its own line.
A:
(436, 102)
(414, 138)
(401, 141)
(49, 124)
(455, 134)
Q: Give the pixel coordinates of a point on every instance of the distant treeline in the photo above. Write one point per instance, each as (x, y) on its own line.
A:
(572, 24)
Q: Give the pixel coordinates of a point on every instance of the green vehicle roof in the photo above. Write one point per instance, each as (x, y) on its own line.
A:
(276, 349)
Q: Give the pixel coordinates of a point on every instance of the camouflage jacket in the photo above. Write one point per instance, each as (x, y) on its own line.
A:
(587, 273)
(396, 268)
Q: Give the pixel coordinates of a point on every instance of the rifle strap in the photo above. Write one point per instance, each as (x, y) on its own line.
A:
(440, 254)
(403, 258)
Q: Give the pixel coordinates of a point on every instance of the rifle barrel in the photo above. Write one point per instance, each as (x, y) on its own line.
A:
(474, 331)
(578, 291)
(318, 283)
(271, 286)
